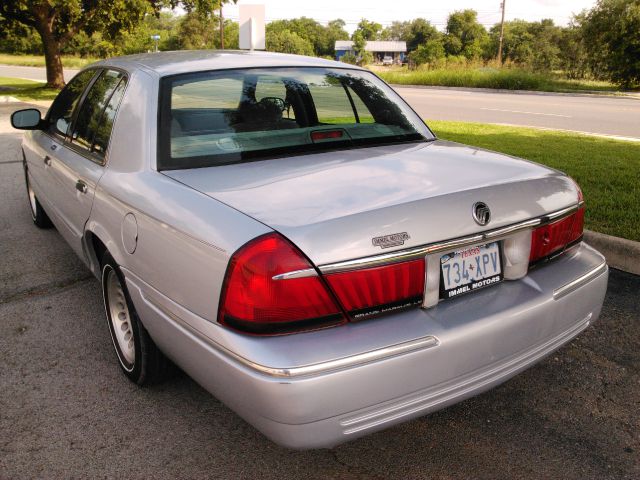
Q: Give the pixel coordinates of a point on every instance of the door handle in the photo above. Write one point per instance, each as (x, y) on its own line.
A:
(54, 147)
(81, 186)
(47, 161)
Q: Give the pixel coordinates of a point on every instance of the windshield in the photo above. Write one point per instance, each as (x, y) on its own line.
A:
(230, 116)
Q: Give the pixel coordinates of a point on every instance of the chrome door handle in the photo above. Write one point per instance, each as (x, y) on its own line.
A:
(47, 161)
(81, 186)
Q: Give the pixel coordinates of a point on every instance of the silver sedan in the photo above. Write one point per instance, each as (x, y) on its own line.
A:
(291, 234)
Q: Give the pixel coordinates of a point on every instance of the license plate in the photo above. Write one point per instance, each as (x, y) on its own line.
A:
(467, 270)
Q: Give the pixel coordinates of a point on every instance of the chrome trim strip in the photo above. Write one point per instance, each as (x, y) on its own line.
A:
(344, 362)
(304, 370)
(306, 272)
(419, 252)
(578, 282)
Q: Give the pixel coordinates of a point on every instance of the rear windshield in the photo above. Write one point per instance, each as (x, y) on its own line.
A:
(230, 116)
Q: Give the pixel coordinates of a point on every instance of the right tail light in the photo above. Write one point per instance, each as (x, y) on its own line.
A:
(552, 238)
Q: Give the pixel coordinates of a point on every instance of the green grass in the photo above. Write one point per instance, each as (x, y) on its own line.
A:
(27, 90)
(505, 78)
(607, 170)
(68, 61)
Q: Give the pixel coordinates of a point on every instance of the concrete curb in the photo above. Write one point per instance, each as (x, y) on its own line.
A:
(588, 93)
(620, 253)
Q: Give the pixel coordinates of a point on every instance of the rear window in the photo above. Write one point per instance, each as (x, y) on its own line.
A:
(221, 117)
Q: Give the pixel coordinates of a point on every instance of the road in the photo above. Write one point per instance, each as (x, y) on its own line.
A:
(66, 410)
(604, 115)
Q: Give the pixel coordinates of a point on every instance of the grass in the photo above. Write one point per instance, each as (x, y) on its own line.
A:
(607, 170)
(68, 61)
(505, 78)
(27, 90)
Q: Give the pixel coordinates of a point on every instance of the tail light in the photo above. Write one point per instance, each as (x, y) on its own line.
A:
(552, 238)
(370, 291)
(252, 300)
(258, 298)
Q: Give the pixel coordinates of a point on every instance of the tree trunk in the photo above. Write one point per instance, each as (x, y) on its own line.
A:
(52, 58)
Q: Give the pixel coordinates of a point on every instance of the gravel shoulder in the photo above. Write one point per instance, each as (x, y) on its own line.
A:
(66, 411)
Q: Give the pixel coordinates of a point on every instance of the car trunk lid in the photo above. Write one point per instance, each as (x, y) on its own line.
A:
(333, 205)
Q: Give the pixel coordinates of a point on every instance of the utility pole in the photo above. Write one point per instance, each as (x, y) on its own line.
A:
(221, 27)
(501, 34)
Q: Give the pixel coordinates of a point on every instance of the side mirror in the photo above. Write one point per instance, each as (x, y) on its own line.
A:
(27, 119)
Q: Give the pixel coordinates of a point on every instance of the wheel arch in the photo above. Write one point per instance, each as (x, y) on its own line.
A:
(97, 241)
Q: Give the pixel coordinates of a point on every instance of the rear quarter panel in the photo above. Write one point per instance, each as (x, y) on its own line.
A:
(184, 238)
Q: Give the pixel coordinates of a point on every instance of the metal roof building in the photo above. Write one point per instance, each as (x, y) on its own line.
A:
(379, 48)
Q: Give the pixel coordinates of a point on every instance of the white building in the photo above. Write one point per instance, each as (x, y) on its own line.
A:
(397, 50)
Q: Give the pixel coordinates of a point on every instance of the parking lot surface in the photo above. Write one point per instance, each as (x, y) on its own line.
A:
(66, 410)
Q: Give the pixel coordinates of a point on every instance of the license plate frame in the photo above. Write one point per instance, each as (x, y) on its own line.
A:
(472, 285)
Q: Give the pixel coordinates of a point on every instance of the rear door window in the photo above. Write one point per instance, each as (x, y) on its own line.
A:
(93, 124)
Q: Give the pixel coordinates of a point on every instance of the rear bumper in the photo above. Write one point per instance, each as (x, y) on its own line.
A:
(403, 366)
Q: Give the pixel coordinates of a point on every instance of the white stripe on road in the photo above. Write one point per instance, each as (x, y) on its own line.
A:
(579, 132)
(528, 113)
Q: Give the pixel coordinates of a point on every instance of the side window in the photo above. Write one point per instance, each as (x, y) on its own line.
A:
(364, 115)
(65, 103)
(332, 103)
(103, 132)
(92, 111)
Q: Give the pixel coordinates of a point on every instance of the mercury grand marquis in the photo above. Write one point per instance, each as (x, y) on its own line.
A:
(290, 233)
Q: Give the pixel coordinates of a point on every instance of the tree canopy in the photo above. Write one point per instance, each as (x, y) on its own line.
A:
(611, 36)
(601, 43)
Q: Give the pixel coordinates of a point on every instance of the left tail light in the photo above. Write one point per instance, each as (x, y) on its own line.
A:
(253, 300)
(552, 238)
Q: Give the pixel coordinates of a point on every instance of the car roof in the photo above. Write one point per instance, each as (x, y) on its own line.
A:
(172, 63)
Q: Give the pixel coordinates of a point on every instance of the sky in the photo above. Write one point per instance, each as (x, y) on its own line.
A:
(351, 11)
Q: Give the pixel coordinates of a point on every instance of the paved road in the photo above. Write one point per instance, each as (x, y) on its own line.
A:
(66, 411)
(593, 114)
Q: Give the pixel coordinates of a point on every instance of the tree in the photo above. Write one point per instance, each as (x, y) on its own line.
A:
(368, 30)
(465, 35)
(197, 32)
(285, 41)
(573, 56)
(419, 32)
(363, 57)
(429, 53)
(57, 21)
(334, 31)
(349, 57)
(18, 38)
(396, 31)
(306, 28)
(611, 35)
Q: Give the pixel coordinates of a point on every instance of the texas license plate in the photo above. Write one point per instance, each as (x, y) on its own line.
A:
(467, 270)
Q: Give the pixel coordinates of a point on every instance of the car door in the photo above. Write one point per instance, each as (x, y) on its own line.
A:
(43, 146)
(80, 161)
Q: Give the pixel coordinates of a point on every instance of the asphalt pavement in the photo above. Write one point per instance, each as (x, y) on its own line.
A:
(598, 114)
(66, 410)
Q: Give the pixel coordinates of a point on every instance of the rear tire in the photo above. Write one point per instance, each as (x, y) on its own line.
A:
(38, 215)
(139, 357)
